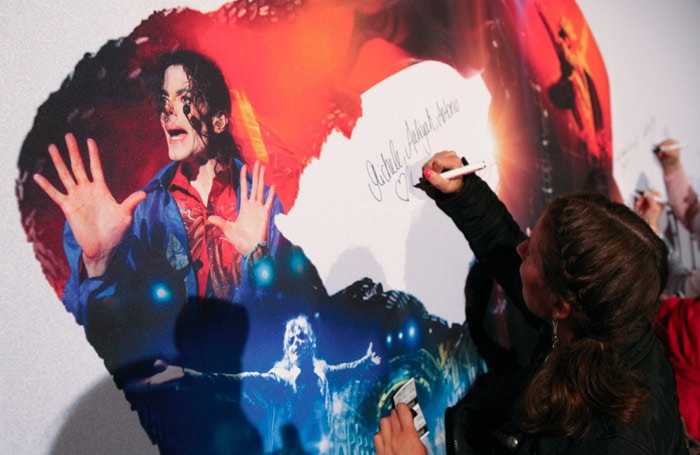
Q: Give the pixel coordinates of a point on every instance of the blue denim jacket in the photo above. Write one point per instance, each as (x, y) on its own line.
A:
(131, 312)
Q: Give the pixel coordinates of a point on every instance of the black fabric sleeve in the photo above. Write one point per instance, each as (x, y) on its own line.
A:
(493, 236)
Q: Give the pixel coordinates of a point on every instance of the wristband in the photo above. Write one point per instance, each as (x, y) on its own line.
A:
(256, 252)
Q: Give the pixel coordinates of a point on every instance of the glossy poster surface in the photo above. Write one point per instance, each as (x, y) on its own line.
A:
(342, 102)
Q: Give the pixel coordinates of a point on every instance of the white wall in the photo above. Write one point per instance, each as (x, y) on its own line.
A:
(650, 47)
(47, 365)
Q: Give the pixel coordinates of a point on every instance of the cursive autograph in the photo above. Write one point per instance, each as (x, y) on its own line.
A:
(392, 167)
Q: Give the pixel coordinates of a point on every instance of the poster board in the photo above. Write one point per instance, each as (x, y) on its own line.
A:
(636, 138)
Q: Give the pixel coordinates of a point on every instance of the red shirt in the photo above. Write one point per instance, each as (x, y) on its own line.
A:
(678, 324)
(219, 262)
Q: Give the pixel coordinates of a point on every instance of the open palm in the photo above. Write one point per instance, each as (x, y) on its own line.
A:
(98, 221)
(250, 227)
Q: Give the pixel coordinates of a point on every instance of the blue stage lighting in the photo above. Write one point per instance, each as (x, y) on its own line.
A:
(297, 263)
(160, 293)
(411, 331)
(264, 273)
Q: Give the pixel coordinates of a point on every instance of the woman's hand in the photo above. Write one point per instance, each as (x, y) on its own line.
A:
(669, 159)
(649, 208)
(397, 435)
(97, 220)
(440, 162)
(250, 228)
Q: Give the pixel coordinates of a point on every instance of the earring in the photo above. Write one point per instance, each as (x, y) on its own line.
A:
(555, 337)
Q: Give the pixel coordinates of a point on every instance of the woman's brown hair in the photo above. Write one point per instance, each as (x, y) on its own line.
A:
(608, 264)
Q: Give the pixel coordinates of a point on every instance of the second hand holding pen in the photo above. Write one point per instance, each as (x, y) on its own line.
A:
(658, 199)
(670, 147)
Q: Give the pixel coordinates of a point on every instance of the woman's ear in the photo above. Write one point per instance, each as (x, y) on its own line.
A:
(219, 122)
(563, 328)
(561, 310)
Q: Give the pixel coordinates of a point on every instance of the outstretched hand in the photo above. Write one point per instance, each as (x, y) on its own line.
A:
(98, 221)
(250, 228)
(397, 435)
(168, 373)
(372, 356)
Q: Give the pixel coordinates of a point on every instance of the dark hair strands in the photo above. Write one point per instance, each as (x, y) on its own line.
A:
(211, 97)
(607, 263)
(562, 398)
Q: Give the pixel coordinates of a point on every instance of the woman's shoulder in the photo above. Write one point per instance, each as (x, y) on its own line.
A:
(610, 439)
(660, 428)
(661, 438)
(658, 432)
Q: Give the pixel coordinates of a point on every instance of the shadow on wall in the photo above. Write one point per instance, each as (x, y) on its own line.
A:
(101, 422)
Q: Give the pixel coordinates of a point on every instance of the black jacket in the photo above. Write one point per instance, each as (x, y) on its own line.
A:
(481, 423)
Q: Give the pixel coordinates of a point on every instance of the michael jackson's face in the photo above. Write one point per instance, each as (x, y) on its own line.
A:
(184, 131)
(298, 344)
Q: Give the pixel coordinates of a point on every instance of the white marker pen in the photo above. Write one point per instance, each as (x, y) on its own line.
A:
(671, 147)
(464, 170)
(658, 199)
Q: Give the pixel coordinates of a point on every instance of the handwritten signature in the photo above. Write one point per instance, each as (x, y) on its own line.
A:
(392, 166)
